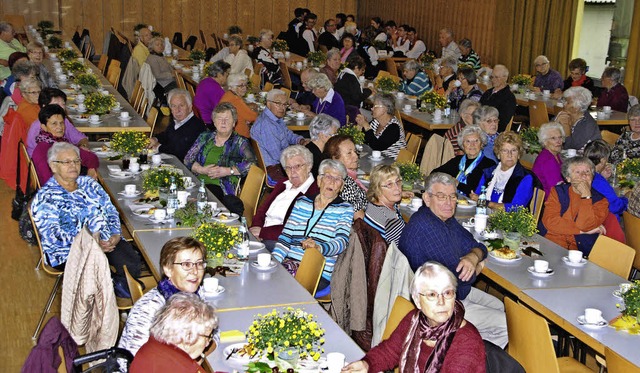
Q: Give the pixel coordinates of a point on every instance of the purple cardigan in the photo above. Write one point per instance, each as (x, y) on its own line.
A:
(71, 133)
(208, 95)
(548, 170)
(39, 157)
(335, 108)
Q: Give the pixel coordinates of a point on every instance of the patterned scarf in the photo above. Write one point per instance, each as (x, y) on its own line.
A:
(44, 136)
(354, 175)
(462, 173)
(167, 289)
(420, 331)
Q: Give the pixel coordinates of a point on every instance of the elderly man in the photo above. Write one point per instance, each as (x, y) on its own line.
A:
(546, 77)
(450, 49)
(8, 45)
(141, 52)
(272, 134)
(329, 38)
(614, 93)
(500, 96)
(303, 99)
(574, 213)
(184, 128)
(416, 46)
(434, 234)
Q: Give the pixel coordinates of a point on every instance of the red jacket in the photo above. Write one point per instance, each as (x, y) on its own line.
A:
(155, 356)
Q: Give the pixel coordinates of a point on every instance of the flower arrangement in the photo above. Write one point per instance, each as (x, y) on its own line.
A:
(316, 58)
(217, 238)
(68, 55)
(410, 172)
(518, 220)
(280, 45)
(629, 166)
(522, 80)
(197, 55)
(631, 299)
(54, 42)
(87, 81)
(530, 139)
(427, 59)
(74, 66)
(190, 217)
(98, 103)
(354, 132)
(434, 98)
(156, 178)
(129, 142)
(45, 25)
(386, 84)
(293, 329)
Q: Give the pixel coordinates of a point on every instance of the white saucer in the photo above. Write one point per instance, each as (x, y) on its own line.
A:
(434, 120)
(505, 260)
(124, 119)
(79, 118)
(490, 235)
(220, 290)
(95, 122)
(538, 274)
(137, 193)
(271, 265)
(121, 175)
(153, 220)
(616, 293)
(255, 246)
(407, 112)
(581, 263)
(375, 159)
(601, 324)
(230, 217)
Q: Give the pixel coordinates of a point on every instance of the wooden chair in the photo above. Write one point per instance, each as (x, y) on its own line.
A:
(287, 92)
(413, 144)
(632, 233)
(152, 119)
(135, 288)
(143, 106)
(382, 74)
(509, 125)
(251, 190)
(204, 40)
(401, 307)
(113, 76)
(255, 80)
(248, 73)
(537, 113)
(530, 342)
(179, 79)
(613, 256)
(537, 202)
(392, 68)
(286, 76)
(609, 137)
(483, 87)
(191, 90)
(310, 270)
(35, 181)
(268, 86)
(618, 364)
(136, 94)
(102, 63)
(405, 156)
(260, 162)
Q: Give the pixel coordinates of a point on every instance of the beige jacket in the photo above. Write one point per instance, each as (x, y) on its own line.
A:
(436, 153)
(130, 76)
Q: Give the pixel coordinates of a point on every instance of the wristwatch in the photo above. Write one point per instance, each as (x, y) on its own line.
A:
(231, 170)
(587, 197)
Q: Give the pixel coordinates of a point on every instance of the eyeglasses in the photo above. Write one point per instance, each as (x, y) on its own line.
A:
(281, 104)
(474, 141)
(397, 184)
(509, 151)
(209, 337)
(581, 173)
(443, 197)
(75, 162)
(188, 266)
(294, 167)
(333, 179)
(242, 85)
(433, 296)
(555, 138)
(32, 92)
(541, 64)
(379, 106)
(491, 120)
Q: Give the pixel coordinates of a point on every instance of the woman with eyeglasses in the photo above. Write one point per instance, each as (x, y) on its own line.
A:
(548, 164)
(238, 58)
(28, 108)
(384, 132)
(322, 222)
(183, 261)
(384, 194)
(327, 101)
(181, 331)
(342, 148)
(508, 184)
(488, 119)
(432, 338)
(247, 113)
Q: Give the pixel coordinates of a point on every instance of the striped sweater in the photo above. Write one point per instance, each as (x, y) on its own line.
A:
(331, 231)
(389, 223)
(416, 86)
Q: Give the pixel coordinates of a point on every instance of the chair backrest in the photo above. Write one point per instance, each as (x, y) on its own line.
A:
(286, 76)
(251, 190)
(113, 76)
(143, 106)
(286, 91)
(179, 79)
(632, 234)
(405, 156)
(613, 256)
(310, 270)
(204, 40)
(509, 125)
(248, 72)
(102, 63)
(134, 286)
(381, 74)
(437, 152)
(401, 307)
(47, 268)
(191, 90)
(609, 137)
(413, 143)
(529, 339)
(618, 364)
(135, 94)
(267, 86)
(537, 113)
(35, 181)
(152, 119)
(483, 87)
(62, 368)
(537, 202)
(260, 160)
(114, 63)
(391, 66)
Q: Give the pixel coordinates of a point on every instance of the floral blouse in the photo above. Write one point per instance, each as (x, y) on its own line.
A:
(623, 145)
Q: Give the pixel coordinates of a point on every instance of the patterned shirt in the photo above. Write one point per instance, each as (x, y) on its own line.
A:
(386, 221)
(353, 194)
(472, 59)
(625, 145)
(389, 141)
(634, 201)
(416, 86)
(272, 136)
(59, 216)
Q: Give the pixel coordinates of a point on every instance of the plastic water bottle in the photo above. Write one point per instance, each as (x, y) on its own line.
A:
(243, 246)
(202, 198)
(481, 207)
(172, 199)
(447, 109)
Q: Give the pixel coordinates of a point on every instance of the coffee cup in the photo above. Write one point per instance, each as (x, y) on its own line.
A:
(186, 180)
(546, 92)
(300, 115)
(376, 154)
(80, 98)
(174, 62)
(134, 167)
(159, 214)
(94, 118)
(81, 107)
(263, 94)
(480, 222)
(606, 109)
(63, 77)
(335, 362)
(287, 54)
(437, 115)
(624, 287)
(264, 259)
(144, 167)
(571, 152)
(213, 205)
(175, 52)
(457, 83)
(210, 284)
(416, 203)
(196, 75)
(299, 65)
(130, 189)
(400, 95)
(58, 70)
(251, 97)
(592, 315)
(156, 159)
(540, 266)
(182, 197)
(602, 115)
(407, 107)
(124, 115)
(575, 256)
(515, 87)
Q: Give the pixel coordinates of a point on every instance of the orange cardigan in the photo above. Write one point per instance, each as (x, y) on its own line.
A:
(245, 114)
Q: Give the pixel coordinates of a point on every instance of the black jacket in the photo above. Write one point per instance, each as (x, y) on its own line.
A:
(178, 142)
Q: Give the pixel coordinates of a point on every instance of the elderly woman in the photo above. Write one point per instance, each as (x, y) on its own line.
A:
(488, 119)
(341, 148)
(468, 56)
(67, 203)
(271, 71)
(268, 222)
(614, 93)
(247, 113)
(598, 153)
(384, 132)
(468, 168)
(548, 164)
(182, 262)
(579, 125)
(384, 194)
(466, 110)
(181, 331)
(348, 84)
(327, 101)
(466, 89)
(433, 338)
(546, 77)
(52, 130)
(415, 82)
(161, 69)
(628, 144)
(574, 213)
(321, 222)
(21, 70)
(221, 157)
(11, 44)
(446, 75)
(348, 42)
(238, 57)
(333, 65)
(321, 128)
(508, 184)
(36, 53)
(28, 108)
(578, 76)
(210, 91)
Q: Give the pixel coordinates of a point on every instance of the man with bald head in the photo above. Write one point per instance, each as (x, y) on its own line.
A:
(141, 52)
(303, 99)
(450, 49)
(500, 96)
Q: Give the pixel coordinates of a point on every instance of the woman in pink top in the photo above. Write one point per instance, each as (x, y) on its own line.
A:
(210, 91)
(548, 164)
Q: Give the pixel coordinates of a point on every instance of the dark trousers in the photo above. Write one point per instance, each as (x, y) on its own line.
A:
(123, 254)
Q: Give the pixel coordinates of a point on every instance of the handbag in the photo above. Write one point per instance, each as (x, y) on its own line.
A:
(26, 228)
(21, 199)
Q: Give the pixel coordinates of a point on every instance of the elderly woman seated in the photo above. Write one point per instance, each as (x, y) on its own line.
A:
(433, 338)
(348, 83)
(67, 203)
(210, 91)
(221, 157)
(575, 213)
(52, 130)
(268, 222)
(384, 132)
(321, 129)
(469, 167)
(548, 164)
(598, 152)
(384, 194)
(466, 110)
(238, 57)
(182, 262)
(21, 70)
(28, 108)
(332, 67)
(161, 69)
(446, 76)
(579, 126)
(181, 331)
(342, 148)
(467, 89)
(614, 93)
(507, 184)
(36, 53)
(247, 113)
(415, 82)
(488, 119)
(628, 144)
(327, 101)
(322, 222)
(262, 54)
(547, 79)
(578, 76)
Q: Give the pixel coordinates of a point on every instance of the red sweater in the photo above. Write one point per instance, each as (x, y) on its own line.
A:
(466, 353)
(155, 356)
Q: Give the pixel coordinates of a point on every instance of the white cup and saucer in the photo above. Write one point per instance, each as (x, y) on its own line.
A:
(335, 362)
(540, 268)
(574, 258)
(212, 287)
(407, 108)
(130, 190)
(546, 93)
(134, 167)
(124, 115)
(264, 262)
(94, 119)
(400, 96)
(416, 203)
(479, 222)
(251, 97)
(376, 155)
(182, 198)
(156, 159)
(592, 318)
(606, 109)
(159, 216)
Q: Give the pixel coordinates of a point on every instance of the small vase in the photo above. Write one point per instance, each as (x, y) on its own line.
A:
(126, 161)
(287, 358)
(214, 261)
(407, 185)
(512, 239)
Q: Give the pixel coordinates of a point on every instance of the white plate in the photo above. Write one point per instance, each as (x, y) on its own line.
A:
(116, 109)
(142, 211)
(95, 122)
(503, 260)
(376, 159)
(271, 265)
(490, 235)
(407, 111)
(79, 118)
(121, 175)
(153, 220)
(601, 324)
(230, 217)
(137, 193)
(104, 153)
(539, 274)
(566, 261)
(235, 358)
(124, 119)
(616, 293)
(255, 246)
(471, 204)
(220, 290)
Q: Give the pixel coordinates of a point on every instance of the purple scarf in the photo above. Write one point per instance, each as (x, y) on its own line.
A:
(44, 136)
(167, 289)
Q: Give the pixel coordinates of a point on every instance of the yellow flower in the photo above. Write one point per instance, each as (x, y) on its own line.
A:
(270, 350)
(286, 343)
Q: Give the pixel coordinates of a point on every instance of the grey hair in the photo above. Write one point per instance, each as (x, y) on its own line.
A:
(613, 73)
(542, 58)
(218, 67)
(543, 132)
(439, 178)
(235, 39)
(35, 45)
(580, 96)
(569, 163)
(322, 124)
(265, 32)
(412, 65)
(180, 92)
(320, 81)
(469, 74)
(596, 151)
(274, 93)
(633, 111)
(465, 43)
(472, 130)
(450, 62)
(5, 26)
(27, 83)
(224, 107)
(467, 104)
(183, 319)
(387, 100)
(24, 68)
(502, 67)
(447, 31)
(155, 40)
(484, 112)
(295, 151)
(425, 274)
(332, 164)
(235, 79)
(59, 147)
(332, 52)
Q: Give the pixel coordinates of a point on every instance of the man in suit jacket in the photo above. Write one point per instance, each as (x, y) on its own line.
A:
(329, 37)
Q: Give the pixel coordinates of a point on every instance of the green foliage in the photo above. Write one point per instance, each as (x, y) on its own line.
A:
(354, 132)
(386, 84)
(522, 80)
(197, 55)
(157, 178)
(280, 45)
(410, 172)
(517, 220)
(434, 98)
(54, 42)
(67, 55)
(631, 300)
(217, 238)
(129, 142)
(98, 103)
(88, 80)
(530, 138)
(316, 58)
